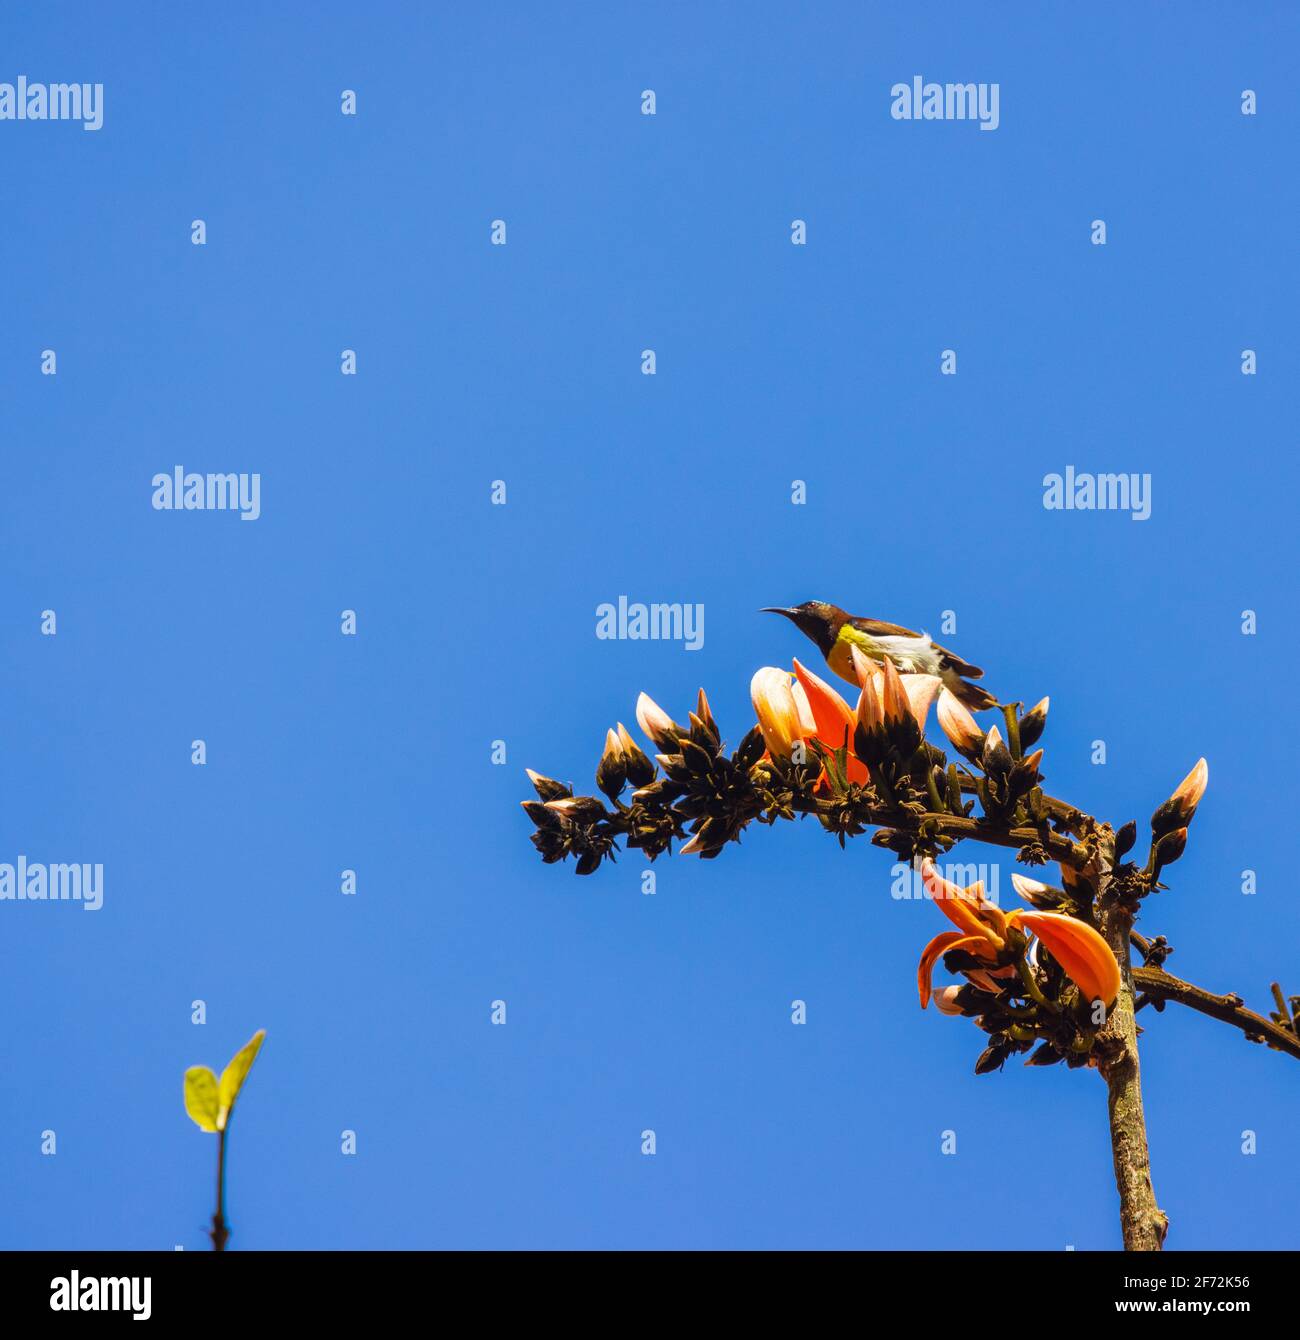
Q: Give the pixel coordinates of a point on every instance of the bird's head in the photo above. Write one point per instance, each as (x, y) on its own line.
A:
(815, 619)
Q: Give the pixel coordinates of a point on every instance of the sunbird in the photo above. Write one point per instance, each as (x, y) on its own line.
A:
(835, 632)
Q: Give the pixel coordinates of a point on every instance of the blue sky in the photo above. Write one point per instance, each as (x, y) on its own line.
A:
(477, 622)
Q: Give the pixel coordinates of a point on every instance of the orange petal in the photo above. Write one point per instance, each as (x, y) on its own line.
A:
(921, 691)
(956, 904)
(833, 716)
(1080, 950)
(958, 724)
(863, 666)
(807, 722)
(893, 698)
(930, 955)
(776, 709)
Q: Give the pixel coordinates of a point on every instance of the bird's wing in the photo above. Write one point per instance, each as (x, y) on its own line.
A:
(875, 628)
(964, 668)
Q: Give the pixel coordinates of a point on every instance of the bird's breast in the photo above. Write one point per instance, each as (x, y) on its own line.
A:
(840, 656)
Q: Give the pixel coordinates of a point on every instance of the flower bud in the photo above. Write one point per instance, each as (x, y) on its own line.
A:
(778, 713)
(750, 749)
(996, 758)
(894, 702)
(611, 771)
(870, 714)
(1178, 810)
(1169, 848)
(863, 666)
(959, 726)
(546, 787)
(1032, 723)
(640, 771)
(1046, 1054)
(1125, 838)
(656, 723)
(1035, 892)
(921, 691)
(540, 814)
(580, 809)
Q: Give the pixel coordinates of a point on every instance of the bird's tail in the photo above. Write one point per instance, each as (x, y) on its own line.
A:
(971, 695)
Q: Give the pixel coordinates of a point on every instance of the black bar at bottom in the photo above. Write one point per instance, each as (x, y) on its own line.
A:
(235, 1289)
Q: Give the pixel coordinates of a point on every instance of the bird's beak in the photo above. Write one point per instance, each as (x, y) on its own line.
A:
(776, 609)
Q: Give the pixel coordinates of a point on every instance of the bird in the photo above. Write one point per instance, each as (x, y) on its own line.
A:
(836, 632)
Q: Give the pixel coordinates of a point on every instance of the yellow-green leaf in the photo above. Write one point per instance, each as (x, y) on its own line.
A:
(233, 1076)
(201, 1097)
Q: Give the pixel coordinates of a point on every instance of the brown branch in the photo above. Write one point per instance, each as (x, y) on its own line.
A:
(963, 826)
(1070, 817)
(1143, 1223)
(1159, 986)
(1058, 847)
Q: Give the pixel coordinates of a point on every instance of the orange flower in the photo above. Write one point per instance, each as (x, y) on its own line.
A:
(777, 710)
(888, 697)
(833, 721)
(958, 724)
(832, 717)
(982, 927)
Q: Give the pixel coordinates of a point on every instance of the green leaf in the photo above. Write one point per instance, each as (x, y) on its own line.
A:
(233, 1076)
(201, 1097)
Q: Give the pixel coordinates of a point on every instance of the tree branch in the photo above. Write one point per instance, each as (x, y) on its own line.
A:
(1143, 1223)
(959, 826)
(1159, 986)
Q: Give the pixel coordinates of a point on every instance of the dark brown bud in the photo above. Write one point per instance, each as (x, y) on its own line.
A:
(1045, 1055)
(546, 787)
(696, 757)
(579, 809)
(1170, 848)
(1125, 838)
(750, 749)
(540, 815)
(992, 1058)
(611, 771)
(1033, 723)
(640, 771)
(997, 757)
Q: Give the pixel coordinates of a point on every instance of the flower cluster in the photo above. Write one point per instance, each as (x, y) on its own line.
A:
(1017, 993)
(1039, 979)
